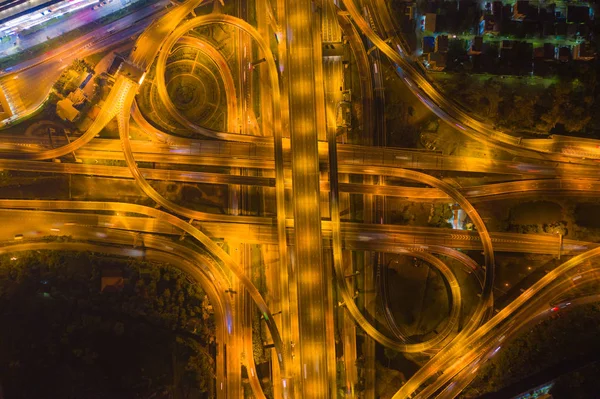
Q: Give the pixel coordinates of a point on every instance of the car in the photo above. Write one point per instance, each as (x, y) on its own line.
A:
(18, 236)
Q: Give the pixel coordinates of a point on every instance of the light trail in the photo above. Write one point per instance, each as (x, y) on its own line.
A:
(450, 113)
(448, 359)
(299, 76)
(213, 248)
(186, 260)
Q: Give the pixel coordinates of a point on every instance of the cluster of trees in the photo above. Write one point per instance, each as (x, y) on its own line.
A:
(80, 65)
(566, 107)
(65, 83)
(439, 215)
(550, 228)
(63, 338)
(549, 344)
(582, 383)
(400, 130)
(259, 331)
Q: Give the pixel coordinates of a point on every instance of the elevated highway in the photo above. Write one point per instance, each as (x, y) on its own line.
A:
(211, 246)
(462, 351)
(303, 107)
(455, 116)
(228, 380)
(307, 123)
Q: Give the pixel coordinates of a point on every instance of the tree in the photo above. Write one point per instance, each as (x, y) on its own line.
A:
(390, 354)
(69, 339)
(520, 112)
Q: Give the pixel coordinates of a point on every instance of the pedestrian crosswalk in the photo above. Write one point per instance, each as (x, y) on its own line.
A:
(11, 92)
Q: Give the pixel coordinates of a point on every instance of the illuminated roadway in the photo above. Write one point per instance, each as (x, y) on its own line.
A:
(381, 237)
(556, 148)
(210, 246)
(307, 122)
(309, 119)
(123, 120)
(262, 149)
(159, 250)
(45, 69)
(206, 48)
(452, 358)
(539, 308)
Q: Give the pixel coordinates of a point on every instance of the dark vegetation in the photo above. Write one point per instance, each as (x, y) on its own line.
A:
(150, 336)
(581, 383)
(537, 217)
(418, 297)
(544, 351)
(66, 83)
(588, 215)
(568, 106)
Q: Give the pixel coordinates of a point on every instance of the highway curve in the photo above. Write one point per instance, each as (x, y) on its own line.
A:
(206, 48)
(212, 247)
(452, 114)
(450, 359)
(147, 46)
(536, 310)
(123, 120)
(81, 230)
(455, 299)
(155, 252)
(347, 296)
(470, 265)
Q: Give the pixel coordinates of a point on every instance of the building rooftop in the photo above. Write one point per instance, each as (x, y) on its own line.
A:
(65, 110)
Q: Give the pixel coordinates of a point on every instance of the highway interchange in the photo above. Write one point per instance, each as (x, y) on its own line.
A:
(297, 150)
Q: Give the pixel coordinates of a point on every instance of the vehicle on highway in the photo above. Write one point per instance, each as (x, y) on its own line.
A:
(559, 306)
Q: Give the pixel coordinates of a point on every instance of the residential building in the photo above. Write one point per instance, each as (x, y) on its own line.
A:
(583, 52)
(65, 110)
(578, 14)
(77, 96)
(476, 45)
(428, 44)
(549, 51)
(564, 54)
(437, 61)
(430, 22)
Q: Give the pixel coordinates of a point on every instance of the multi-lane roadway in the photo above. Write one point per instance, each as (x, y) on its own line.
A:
(304, 172)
